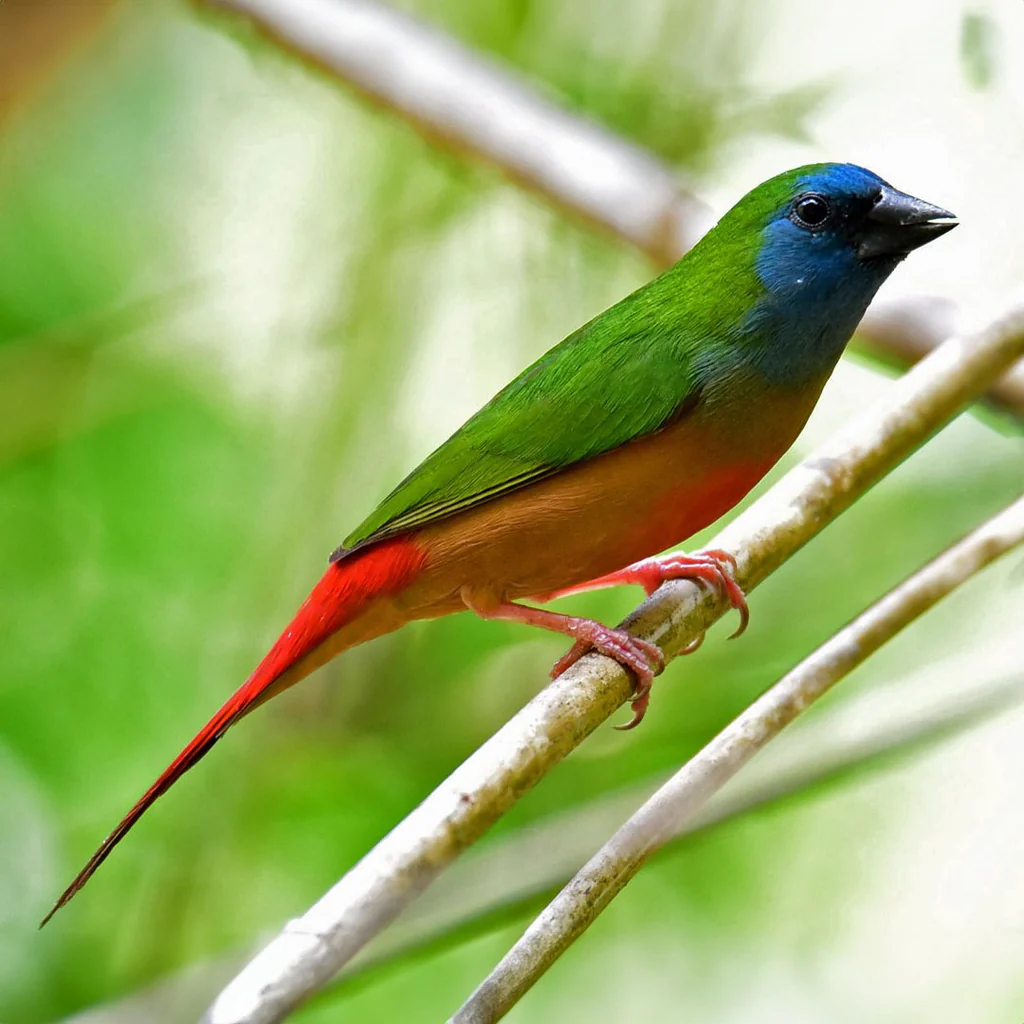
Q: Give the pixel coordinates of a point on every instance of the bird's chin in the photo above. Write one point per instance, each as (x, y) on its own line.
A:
(883, 263)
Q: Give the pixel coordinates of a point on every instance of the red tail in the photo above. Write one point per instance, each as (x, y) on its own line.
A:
(337, 599)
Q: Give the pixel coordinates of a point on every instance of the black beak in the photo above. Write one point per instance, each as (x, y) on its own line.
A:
(899, 223)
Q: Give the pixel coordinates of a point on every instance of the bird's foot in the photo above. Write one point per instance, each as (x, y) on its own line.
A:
(634, 654)
(640, 657)
(715, 567)
(642, 692)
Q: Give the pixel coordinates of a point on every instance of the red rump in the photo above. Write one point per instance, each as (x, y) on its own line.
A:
(385, 568)
(345, 588)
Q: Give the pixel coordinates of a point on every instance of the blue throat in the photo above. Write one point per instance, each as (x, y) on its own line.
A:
(815, 295)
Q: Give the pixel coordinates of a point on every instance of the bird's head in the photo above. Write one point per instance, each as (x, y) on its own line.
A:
(823, 223)
(822, 239)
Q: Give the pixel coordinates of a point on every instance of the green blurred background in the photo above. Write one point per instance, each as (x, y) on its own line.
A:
(237, 304)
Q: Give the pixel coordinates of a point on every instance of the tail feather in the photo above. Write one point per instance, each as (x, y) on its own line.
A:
(336, 600)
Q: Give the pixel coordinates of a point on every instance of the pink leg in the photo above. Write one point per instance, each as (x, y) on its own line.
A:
(631, 652)
(714, 566)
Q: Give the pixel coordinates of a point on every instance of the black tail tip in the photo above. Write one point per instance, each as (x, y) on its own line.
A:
(65, 897)
(53, 910)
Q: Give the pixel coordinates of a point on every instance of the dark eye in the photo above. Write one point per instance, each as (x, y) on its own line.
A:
(811, 210)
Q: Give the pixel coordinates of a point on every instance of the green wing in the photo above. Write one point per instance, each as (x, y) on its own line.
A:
(621, 376)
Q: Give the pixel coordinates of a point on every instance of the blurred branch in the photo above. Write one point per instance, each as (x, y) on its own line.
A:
(604, 876)
(469, 104)
(316, 946)
(36, 38)
(506, 877)
(473, 106)
(904, 331)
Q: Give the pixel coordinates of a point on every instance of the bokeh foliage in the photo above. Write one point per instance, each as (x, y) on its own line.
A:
(235, 306)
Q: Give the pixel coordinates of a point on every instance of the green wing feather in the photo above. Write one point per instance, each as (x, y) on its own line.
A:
(613, 380)
(558, 412)
(623, 375)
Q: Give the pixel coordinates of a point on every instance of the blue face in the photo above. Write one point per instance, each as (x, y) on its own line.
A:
(817, 283)
(811, 243)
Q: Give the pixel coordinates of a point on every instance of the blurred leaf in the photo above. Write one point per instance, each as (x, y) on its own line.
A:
(978, 49)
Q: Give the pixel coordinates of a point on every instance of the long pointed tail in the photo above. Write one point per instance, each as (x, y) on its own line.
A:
(342, 593)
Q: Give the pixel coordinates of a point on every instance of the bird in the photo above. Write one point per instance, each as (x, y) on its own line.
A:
(639, 429)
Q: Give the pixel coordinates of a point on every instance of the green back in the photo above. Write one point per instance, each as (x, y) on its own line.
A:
(623, 375)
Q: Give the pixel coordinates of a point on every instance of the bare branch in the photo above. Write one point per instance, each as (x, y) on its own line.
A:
(314, 947)
(471, 105)
(607, 872)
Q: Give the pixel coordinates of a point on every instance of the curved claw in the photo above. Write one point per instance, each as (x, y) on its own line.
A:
(639, 704)
(725, 563)
(642, 698)
(739, 601)
(714, 566)
(623, 651)
(640, 657)
(693, 645)
(652, 652)
(719, 555)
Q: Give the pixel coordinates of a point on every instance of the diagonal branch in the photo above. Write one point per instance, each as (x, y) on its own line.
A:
(604, 876)
(314, 947)
(472, 105)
